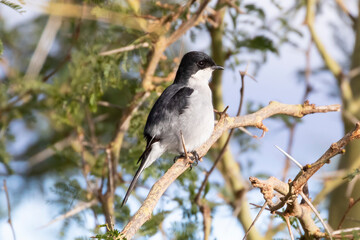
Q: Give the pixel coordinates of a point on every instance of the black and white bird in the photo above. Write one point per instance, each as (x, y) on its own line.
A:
(186, 106)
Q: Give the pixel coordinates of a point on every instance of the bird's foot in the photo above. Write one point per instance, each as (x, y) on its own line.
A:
(177, 157)
(193, 160)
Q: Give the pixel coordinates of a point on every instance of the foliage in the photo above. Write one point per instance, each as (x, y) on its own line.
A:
(352, 175)
(110, 234)
(12, 5)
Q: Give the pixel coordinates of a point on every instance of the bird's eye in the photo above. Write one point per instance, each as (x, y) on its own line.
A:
(201, 63)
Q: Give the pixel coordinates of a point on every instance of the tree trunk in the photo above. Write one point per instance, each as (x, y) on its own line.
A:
(351, 160)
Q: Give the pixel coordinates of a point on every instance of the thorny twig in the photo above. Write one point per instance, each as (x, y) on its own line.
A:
(256, 218)
(351, 204)
(291, 190)
(9, 209)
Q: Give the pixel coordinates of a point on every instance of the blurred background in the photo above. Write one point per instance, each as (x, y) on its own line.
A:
(78, 77)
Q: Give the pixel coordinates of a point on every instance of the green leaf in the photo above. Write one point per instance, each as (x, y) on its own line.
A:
(352, 175)
(261, 43)
(12, 5)
(151, 227)
(253, 8)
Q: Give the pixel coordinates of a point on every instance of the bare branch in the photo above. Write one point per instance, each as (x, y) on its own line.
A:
(78, 208)
(293, 208)
(224, 124)
(145, 211)
(334, 149)
(47, 38)
(345, 230)
(186, 25)
(342, 6)
(125, 49)
(256, 218)
(351, 204)
(9, 209)
(232, 4)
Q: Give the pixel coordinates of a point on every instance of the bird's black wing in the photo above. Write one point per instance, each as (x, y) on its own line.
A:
(172, 103)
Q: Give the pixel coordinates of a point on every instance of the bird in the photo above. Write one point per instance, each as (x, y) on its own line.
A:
(183, 110)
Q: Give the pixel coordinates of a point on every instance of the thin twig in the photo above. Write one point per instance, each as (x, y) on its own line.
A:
(125, 49)
(256, 218)
(351, 204)
(43, 48)
(9, 209)
(346, 230)
(107, 104)
(78, 208)
(110, 169)
(232, 4)
(335, 148)
(317, 214)
(342, 6)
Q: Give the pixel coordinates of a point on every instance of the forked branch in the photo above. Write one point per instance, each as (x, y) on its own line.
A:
(224, 124)
(290, 191)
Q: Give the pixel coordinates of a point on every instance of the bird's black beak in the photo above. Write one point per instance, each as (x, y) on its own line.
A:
(217, 67)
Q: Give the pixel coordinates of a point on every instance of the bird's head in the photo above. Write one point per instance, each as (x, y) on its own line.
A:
(196, 67)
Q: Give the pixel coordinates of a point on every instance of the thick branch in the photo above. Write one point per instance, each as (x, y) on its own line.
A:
(255, 119)
(224, 124)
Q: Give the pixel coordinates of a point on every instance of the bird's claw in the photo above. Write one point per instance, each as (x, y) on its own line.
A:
(177, 157)
(194, 160)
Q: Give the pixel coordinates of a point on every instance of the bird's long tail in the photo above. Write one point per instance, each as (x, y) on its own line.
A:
(141, 168)
(151, 153)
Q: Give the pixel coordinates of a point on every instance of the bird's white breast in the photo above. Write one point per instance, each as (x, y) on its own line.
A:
(197, 121)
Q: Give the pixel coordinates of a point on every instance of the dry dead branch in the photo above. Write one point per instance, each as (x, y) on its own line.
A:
(291, 190)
